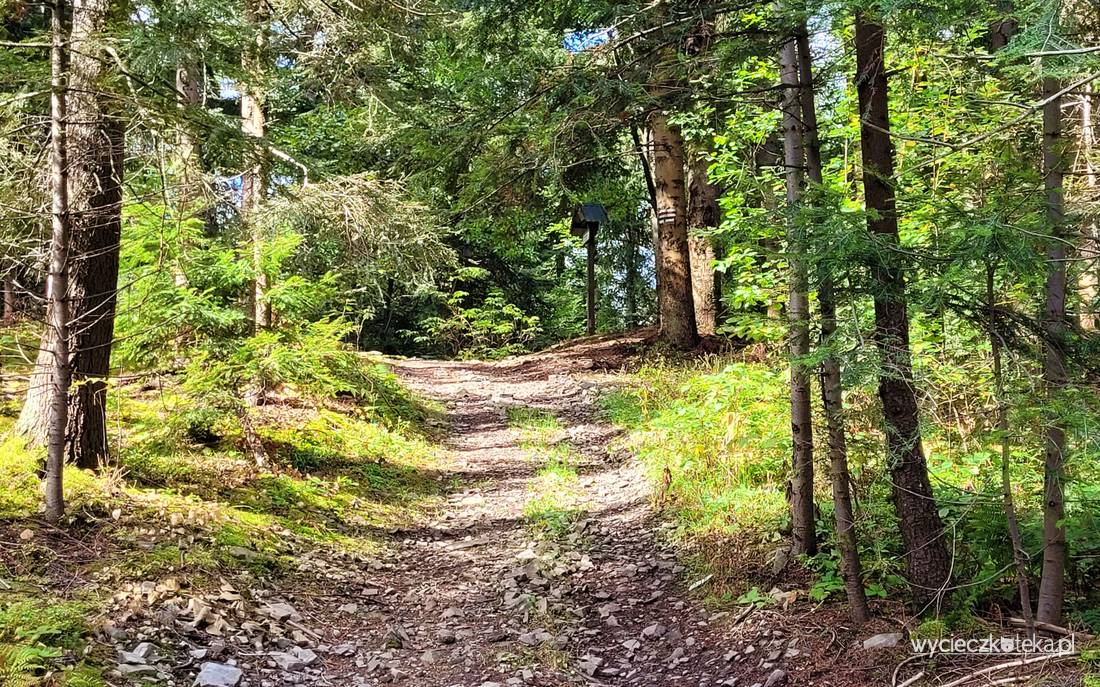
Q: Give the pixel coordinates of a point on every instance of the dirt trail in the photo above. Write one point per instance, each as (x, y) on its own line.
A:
(474, 598)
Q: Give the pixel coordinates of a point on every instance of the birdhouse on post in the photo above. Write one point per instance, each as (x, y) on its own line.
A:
(587, 219)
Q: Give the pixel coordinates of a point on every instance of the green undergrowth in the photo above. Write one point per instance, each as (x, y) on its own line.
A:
(554, 505)
(184, 501)
(532, 421)
(714, 437)
(554, 502)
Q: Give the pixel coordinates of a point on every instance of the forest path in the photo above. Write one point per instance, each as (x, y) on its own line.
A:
(479, 597)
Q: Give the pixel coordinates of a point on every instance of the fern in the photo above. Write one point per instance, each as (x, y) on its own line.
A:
(19, 663)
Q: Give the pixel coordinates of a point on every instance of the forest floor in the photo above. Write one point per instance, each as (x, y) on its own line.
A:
(517, 542)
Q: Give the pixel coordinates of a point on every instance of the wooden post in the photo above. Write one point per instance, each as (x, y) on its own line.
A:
(592, 227)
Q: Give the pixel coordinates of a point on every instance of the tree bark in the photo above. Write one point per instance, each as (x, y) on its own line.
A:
(189, 94)
(675, 300)
(254, 179)
(1001, 32)
(703, 218)
(1052, 582)
(56, 284)
(832, 388)
(95, 149)
(647, 171)
(921, 528)
(804, 536)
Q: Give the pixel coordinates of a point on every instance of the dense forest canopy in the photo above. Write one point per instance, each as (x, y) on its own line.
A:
(892, 204)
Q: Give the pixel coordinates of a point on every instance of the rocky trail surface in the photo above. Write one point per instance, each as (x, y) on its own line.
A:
(475, 598)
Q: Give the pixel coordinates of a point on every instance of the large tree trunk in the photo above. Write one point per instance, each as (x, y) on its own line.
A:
(56, 283)
(95, 148)
(703, 218)
(254, 180)
(804, 536)
(1052, 583)
(675, 301)
(919, 522)
(190, 84)
(832, 389)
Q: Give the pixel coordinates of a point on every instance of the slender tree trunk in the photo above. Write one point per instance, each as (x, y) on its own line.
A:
(56, 284)
(387, 314)
(832, 397)
(832, 388)
(703, 218)
(9, 299)
(675, 301)
(655, 240)
(1000, 33)
(647, 171)
(1052, 583)
(1019, 556)
(921, 528)
(95, 148)
(770, 245)
(1089, 248)
(254, 180)
(798, 313)
(630, 284)
(811, 136)
(252, 440)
